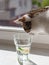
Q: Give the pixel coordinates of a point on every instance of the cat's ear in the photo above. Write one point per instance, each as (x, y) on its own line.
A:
(47, 7)
(23, 19)
(18, 21)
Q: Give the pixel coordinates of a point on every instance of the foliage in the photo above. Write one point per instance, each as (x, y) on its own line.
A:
(36, 2)
(45, 3)
(40, 4)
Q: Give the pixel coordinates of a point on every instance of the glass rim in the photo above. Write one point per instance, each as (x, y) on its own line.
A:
(20, 33)
(28, 38)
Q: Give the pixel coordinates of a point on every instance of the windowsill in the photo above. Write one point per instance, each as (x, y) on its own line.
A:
(6, 33)
(8, 28)
(6, 36)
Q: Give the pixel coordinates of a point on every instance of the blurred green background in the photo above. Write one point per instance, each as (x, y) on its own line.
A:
(40, 3)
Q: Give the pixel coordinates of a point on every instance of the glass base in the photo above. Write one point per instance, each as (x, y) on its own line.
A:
(22, 58)
(28, 62)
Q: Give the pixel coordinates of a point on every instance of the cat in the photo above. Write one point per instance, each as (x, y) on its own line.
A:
(35, 21)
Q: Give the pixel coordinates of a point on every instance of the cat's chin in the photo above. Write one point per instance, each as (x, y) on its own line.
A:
(38, 31)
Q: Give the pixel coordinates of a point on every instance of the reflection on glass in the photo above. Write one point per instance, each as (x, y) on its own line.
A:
(23, 44)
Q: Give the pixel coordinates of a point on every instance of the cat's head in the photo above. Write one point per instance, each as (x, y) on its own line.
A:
(26, 20)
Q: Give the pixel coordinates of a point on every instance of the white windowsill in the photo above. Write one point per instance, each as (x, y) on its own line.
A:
(7, 32)
(7, 28)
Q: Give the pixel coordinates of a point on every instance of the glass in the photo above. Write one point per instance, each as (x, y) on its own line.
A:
(23, 44)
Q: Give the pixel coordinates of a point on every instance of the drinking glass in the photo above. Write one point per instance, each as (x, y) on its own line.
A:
(23, 44)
